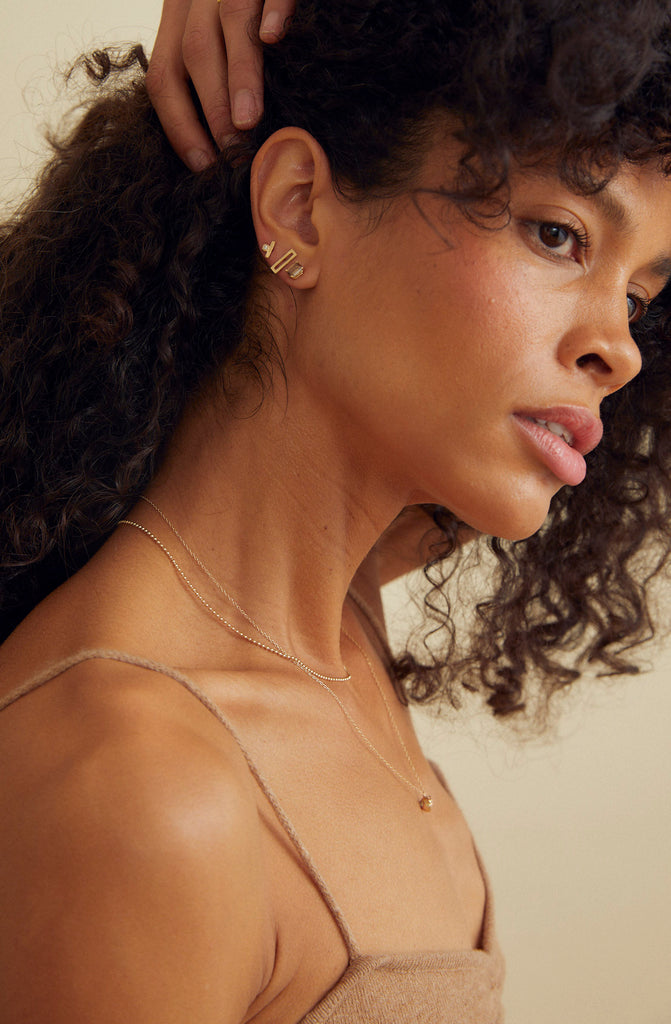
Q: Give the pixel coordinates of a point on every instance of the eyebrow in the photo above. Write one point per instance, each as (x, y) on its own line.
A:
(661, 268)
(614, 210)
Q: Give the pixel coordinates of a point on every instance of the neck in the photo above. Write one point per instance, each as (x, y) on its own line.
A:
(281, 509)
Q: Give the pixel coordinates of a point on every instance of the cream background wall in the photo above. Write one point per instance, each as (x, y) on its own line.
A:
(575, 830)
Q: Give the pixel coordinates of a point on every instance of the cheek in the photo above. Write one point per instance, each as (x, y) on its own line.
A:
(478, 314)
(464, 332)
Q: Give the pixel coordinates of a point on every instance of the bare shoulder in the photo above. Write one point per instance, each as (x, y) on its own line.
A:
(133, 884)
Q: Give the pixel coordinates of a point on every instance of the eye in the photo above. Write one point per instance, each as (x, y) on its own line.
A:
(636, 308)
(564, 241)
(555, 236)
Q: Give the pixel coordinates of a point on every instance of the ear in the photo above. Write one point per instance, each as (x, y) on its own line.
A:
(291, 192)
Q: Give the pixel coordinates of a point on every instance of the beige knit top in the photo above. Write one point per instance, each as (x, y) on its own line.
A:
(461, 987)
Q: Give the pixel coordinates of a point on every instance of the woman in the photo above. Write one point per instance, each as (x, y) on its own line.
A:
(410, 287)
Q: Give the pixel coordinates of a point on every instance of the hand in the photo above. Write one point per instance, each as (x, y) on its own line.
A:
(218, 47)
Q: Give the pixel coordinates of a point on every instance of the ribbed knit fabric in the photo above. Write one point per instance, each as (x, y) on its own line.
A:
(416, 988)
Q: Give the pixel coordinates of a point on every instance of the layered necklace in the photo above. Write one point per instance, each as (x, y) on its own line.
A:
(268, 643)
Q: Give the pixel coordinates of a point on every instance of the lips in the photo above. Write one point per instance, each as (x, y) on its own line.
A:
(558, 430)
(560, 437)
(583, 428)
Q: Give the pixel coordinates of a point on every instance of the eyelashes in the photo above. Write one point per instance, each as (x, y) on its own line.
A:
(571, 241)
(561, 241)
(637, 308)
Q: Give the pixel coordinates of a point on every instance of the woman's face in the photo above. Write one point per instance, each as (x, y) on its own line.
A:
(452, 355)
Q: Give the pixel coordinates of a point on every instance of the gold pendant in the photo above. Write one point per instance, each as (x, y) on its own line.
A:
(426, 803)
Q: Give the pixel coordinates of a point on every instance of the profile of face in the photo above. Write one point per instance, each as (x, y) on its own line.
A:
(465, 364)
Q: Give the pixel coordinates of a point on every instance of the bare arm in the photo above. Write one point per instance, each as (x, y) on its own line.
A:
(218, 48)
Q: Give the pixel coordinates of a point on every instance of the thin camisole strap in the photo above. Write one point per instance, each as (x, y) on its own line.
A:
(153, 666)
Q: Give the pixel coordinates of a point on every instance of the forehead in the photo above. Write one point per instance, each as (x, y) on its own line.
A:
(635, 199)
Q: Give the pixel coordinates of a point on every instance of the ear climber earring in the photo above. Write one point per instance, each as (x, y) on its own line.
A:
(287, 262)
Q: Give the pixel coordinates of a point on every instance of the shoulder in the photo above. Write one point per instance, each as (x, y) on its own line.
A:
(132, 855)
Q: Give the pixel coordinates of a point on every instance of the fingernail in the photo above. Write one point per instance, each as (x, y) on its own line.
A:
(198, 159)
(272, 25)
(245, 109)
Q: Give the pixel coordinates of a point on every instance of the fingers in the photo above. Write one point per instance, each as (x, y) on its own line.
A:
(205, 59)
(217, 48)
(168, 87)
(276, 15)
(245, 71)
(238, 20)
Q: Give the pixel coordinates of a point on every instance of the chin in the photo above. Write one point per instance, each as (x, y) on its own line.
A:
(513, 508)
(516, 523)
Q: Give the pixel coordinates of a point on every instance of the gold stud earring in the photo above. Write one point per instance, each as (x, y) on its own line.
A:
(287, 262)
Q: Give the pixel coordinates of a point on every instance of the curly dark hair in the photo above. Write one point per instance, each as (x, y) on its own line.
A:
(125, 284)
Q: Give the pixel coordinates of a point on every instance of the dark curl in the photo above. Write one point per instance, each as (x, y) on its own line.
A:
(125, 283)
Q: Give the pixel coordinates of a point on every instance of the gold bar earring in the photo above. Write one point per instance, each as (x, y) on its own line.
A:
(286, 262)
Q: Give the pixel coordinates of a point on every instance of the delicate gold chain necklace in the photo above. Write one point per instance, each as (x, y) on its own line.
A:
(379, 630)
(229, 625)
(222, 590)
(425, 801)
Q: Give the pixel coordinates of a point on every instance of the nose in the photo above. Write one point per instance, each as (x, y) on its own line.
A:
(603, 348)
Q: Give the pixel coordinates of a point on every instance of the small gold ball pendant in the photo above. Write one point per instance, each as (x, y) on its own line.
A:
(426, 803)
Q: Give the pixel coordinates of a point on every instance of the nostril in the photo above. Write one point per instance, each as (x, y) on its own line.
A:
(595, 360)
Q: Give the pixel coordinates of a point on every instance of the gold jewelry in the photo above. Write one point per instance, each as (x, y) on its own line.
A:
(379, 630)
(276, 647)
(425, 801)
(287, 262)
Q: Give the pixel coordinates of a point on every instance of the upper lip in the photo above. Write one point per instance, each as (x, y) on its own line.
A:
(586, 428)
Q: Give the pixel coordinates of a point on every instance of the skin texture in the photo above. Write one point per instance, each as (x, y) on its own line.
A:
(113, 923)
(499, 323)
(221, 60)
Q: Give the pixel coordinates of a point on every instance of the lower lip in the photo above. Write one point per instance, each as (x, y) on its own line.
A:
(564, 462)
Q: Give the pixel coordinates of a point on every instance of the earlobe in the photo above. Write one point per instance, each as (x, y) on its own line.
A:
(287, 262)
(289, 179)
